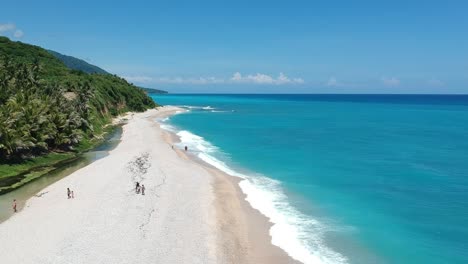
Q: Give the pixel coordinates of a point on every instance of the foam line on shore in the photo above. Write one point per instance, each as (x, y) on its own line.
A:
(299, 235)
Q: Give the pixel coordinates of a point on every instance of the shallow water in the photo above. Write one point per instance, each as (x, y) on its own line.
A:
(345, 178)
(27, 191)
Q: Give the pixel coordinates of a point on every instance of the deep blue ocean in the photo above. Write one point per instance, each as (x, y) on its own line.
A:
(344, 178)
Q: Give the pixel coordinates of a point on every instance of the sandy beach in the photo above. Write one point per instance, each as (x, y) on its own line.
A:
(190, 213)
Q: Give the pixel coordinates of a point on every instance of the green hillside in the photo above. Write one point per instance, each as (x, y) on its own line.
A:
(81, 65)
(153, 90)
(48, 113)
(77, 64)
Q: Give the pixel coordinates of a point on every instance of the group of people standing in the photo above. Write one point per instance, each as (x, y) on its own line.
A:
(140, 188)
(70, 194)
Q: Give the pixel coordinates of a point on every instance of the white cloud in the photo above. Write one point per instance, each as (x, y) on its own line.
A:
(390, 81)
(7, 27)
(333, 82)
(138, 79)
(260, 78)
(18, 33)
(180, 80)
(298, 80)
(236, 78)
(173, 80)
(11, 28)
(435, 83)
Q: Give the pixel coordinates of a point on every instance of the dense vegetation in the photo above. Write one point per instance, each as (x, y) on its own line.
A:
(77, 64)
(44, 106)
(153, 91)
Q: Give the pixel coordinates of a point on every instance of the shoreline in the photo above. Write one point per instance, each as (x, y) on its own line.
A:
(191, 213)
(241, 227)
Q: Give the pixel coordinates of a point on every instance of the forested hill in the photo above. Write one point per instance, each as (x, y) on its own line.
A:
(153, 90)
(45, 106)
(81, 65)
(77, 64)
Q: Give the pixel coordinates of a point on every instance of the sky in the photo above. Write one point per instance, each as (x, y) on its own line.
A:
(252, 46)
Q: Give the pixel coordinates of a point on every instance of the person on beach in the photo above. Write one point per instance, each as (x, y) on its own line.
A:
(142, 189)
(137, 187)
(186, 148)
(68, 193)
(72, 195)
(14, 206)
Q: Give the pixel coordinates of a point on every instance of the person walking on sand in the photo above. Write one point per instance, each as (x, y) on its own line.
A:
(142, 189)
(72, 195)
(68, 193)
(137, 187)
(186, 148)
(14, 206)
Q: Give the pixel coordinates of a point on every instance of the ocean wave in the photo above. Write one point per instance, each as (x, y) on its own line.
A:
(206, 108)
(195, 143)
(299, 235)
(196, 107)
(168, 127)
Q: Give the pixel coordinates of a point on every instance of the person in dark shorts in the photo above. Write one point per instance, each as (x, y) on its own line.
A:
(137, 187)
(68, 193)
(14, 206)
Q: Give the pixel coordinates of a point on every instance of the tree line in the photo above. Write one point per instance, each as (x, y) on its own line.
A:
(41, 113)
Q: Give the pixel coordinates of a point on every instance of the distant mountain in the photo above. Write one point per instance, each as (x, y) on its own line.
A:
(81, 65)
(152, 90)
(77, 64)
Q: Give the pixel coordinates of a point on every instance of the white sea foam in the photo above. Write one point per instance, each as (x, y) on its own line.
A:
(195, 143)
(168, 127)
(299, 235)
(207, 108)
(196, 107)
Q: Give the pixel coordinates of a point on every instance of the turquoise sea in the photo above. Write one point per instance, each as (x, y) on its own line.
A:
(344, 178)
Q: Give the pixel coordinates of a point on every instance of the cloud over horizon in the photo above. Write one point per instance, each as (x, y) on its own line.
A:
(260, 78)
(138, 79)
(390, 81)
(435, 83)
(10, 28)
(237, 78)
(333, 82)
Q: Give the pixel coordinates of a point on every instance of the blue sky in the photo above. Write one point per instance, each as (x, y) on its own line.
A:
(258, 46)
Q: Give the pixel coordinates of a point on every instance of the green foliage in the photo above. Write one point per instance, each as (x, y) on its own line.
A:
(13, 176)
(9, 170)
(23, 53)
(44, 106)
(77, 64)
(153, 90)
